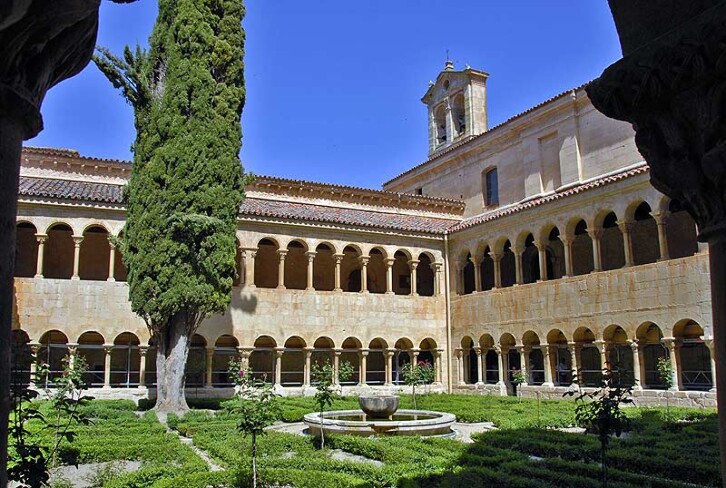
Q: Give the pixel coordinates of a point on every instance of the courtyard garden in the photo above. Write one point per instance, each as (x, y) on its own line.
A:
(532, 445)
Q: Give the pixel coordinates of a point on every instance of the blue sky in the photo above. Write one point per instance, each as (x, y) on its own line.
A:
(334, 86)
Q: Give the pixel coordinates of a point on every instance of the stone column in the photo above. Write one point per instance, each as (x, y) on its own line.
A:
(413, 264)
(501, 351)
(567, 244)
(625, 228)
(311, 258)
(414, 355)
(636, 365)
(545, 348)
(249, 266)
(526, 350)
(477, 274)
(479, 375)
(574, 362)
(460, 365)
(279, 351)
(518, 275)
(712, 353)
(111, 261)
(336, 366)
(142, 365)
(602, 348)
(41, 238)
(389, 367)
(281, 269)
(438, 359)
(338, 259)
(308, 366)
(107, 348)
(208, 370)
(661, 220)
(436, 267)
(389, 275)
(34, 349)
(363, 367)
(542, 257)
(245, 353)
(72, 353)
(670, 344)
(595, 235)
(76, 256)
(496, 260)
(364, 273)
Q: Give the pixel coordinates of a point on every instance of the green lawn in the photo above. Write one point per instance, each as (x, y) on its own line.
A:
(525, 452)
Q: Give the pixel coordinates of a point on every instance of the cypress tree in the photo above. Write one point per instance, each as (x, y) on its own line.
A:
(186, 184)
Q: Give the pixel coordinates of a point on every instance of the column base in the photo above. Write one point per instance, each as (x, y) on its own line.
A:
(548, 384)
(281, 287)
(75, 278)
(479, 383)
(389, 293)
(309, 289)
(38, 276)
(110, 279)
(338, 290)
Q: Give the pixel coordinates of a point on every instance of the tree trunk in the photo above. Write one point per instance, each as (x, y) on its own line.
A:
(171, 358)
(11, 139)
(254, 460)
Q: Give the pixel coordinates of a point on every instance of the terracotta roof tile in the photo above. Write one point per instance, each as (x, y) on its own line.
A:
(343, 215)
(70, 190)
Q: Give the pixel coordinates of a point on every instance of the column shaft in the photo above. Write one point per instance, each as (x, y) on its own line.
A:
(281, 269)
(142, 365)
(111, 262)
(567, 243)
(76, 256)
(41, 253)
(209, 361)
(389, 275)
(311, 258)
(338, 259)
(107, 366)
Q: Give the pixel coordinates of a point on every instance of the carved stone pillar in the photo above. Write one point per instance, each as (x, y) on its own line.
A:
(712, 352)
(336, 366)
(518, 275)
(625, 228)
(545, 348)
(279, 351)
(248, 256)
(107, 349)
(76, 256)
(524, 362)
(436, 267)
(661, 219)
(308, 366)
(670, 85)
(72, 353)
(672, 346)
(389, 367)
(281, 269)
(477, 274)
(460, 365)
(438, 359)
(364, 273)
(501, 351)
(567, 244)
(143, 350)
(413, 264)
(208, 370)
(637, 368)
(479, 376)
(338, 259)
(363, 367)
(542, 257)
(389, 275)
(595, 235)
(111, 261)
(41, 238)
(311, 258)
(574, 362)
(602, 349)
(497, 260)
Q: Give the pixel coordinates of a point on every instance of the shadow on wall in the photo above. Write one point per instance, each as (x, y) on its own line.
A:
(246, 302)
(15, 317)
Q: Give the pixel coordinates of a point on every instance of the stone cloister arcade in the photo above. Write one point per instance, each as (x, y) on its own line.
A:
(577, 246)
(549, 358)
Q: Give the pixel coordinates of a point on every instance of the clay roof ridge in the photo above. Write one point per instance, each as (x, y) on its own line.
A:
(492, 129)
(70, 153)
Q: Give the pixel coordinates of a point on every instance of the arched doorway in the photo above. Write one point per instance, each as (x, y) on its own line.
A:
(293, 362)
(53, 350)
(376, 362)
(225, 349)
(125, 361)
(26, 250)
(650, 338)
(262, 359)
(620, 355)
(90, 346)
(694, 357)
(536, 366)
(589, 358)
(196, 366)
(94, 254)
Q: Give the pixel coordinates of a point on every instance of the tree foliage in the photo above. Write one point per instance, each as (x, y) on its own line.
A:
(421, 373)
(327, 389)
(186, 186)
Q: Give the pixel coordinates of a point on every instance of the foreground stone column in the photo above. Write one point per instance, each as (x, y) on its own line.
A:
(107, 349)
(574, 362)
(524, 363)
(413, 264)
(41, 238)
(479, 375)
(363, 367)
(336, 366)
(438, 359)
(501, 351)
(625, 228)
(567, 245)
(477, 275)
(670, 344)
(542, 258)
(547, 365)
(460, 366)
(661, 219)
(279, 351)
(76, 256)
(496, 260)
(637, 365)
(595, 235)
(436, 267)
(248, 256)
(712, 353)
(519, 278)
(602, 349)
(208, 369)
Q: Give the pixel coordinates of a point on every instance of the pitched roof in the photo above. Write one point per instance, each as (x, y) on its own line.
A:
(344, 215)
(70, 190)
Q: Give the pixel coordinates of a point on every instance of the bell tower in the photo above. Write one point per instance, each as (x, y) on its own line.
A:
(457, 106)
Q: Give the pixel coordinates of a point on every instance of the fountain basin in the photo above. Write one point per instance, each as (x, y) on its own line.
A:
(403, 422)
(379, 406)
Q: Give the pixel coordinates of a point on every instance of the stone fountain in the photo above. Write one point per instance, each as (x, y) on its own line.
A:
(379, 415)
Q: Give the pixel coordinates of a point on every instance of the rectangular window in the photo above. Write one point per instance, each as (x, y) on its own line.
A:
(419, 191)
(491, 188)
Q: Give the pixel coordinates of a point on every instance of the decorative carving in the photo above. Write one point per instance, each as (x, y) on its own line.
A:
(673, 91)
